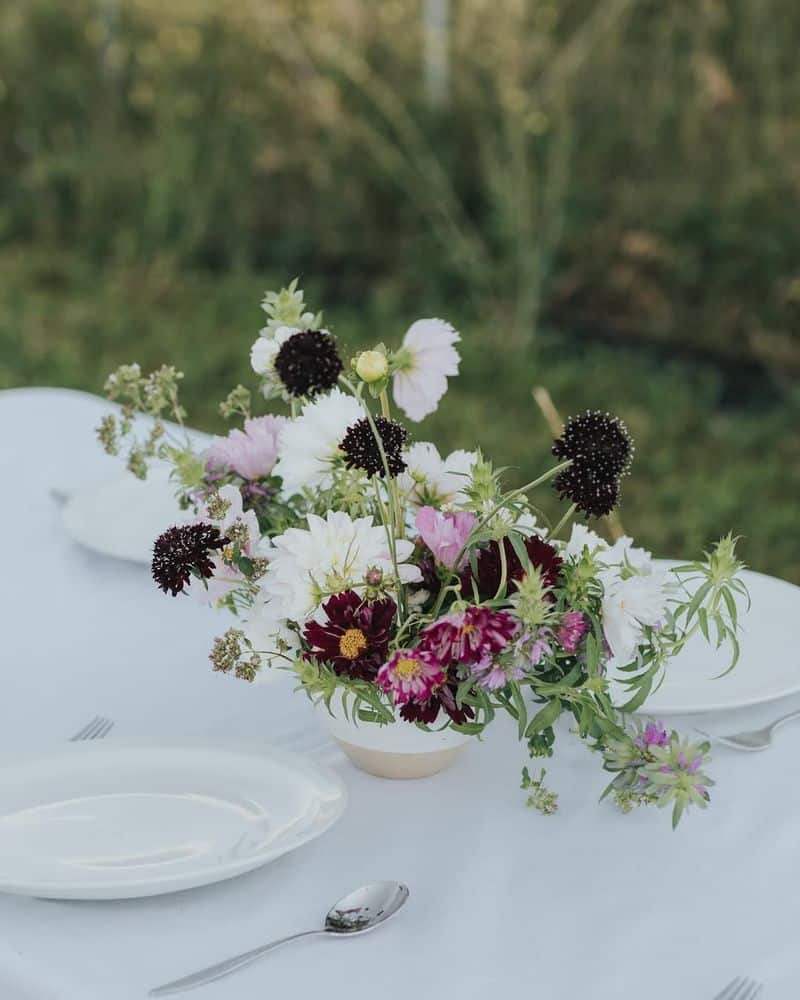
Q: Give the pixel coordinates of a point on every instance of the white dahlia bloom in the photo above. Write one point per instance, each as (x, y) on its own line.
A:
(309, 444)
(333, 555)
(431, 480)
(427, 357)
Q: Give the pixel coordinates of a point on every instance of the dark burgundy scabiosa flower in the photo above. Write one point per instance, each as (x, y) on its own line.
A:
(442, 700)
(308, 363)
(490, 568)
(361, 449)
(182, 552)
(355, 637)
(601, 450)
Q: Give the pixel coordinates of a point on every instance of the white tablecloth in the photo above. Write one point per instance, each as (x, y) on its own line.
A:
(587, 903)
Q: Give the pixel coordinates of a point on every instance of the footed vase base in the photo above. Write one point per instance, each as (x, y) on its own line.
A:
(400, 766)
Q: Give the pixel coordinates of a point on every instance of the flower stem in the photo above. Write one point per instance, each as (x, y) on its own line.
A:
(567, 516)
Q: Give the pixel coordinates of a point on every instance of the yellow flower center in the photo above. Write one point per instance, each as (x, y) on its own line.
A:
(352, 644)
(467, 628)
(407, 666)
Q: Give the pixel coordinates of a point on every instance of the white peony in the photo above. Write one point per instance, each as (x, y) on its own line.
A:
(430, 479)
(428, 357)
(333, 555)
(309, 444)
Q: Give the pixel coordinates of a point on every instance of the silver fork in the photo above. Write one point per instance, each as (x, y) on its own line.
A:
(754, 739)
(740, 989)
(94, 730)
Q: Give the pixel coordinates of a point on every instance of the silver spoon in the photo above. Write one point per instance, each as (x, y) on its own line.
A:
(755, 739)
(356, 913)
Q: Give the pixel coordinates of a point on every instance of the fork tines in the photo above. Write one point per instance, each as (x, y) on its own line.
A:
(741, 988)
(94, 730)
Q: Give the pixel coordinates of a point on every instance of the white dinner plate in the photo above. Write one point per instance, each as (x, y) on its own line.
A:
(768, 667)
(124, 516)
(108, 820)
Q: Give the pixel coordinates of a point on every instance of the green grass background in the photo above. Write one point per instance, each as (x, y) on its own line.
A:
(606, 204)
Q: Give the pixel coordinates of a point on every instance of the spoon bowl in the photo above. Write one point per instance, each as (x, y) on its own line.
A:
(366, 908)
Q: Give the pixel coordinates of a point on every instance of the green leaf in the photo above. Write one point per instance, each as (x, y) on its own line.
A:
(697, 600)
(639, 698)
(519, 705)
(544, 718)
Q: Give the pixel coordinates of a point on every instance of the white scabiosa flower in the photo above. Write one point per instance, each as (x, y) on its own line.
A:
(430, 480)
(263, 355)
(309, 444)
(333, 555)
(424, 363)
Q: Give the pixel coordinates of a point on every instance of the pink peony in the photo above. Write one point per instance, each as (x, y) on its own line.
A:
(475, 635)
(252, 453)
(445, 534)
(571, 630)
(411, 675)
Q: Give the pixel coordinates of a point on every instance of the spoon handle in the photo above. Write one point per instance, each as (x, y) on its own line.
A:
(785, 718)
(221, 969)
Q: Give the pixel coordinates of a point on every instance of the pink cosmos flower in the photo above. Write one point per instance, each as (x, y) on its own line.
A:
(252, 453)
(445, 534)
(426, 358)
(411, 675)
(571, 630)
(473, 636)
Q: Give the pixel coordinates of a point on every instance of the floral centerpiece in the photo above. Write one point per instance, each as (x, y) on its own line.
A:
(407, 588)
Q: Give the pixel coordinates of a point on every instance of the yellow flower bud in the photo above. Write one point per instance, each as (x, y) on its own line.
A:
(372, 366)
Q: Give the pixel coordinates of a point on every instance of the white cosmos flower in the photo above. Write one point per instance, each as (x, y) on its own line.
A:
(629, 603)
(309, 444)
(333, 555)
(430, 479)
(428, 358)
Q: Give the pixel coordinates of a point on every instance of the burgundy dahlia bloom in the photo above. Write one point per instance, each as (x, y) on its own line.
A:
(542, 555)
(473, 636)
(355, 637)
(442, 700)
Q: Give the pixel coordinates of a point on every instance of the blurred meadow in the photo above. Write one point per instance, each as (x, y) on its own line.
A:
(602, 196)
